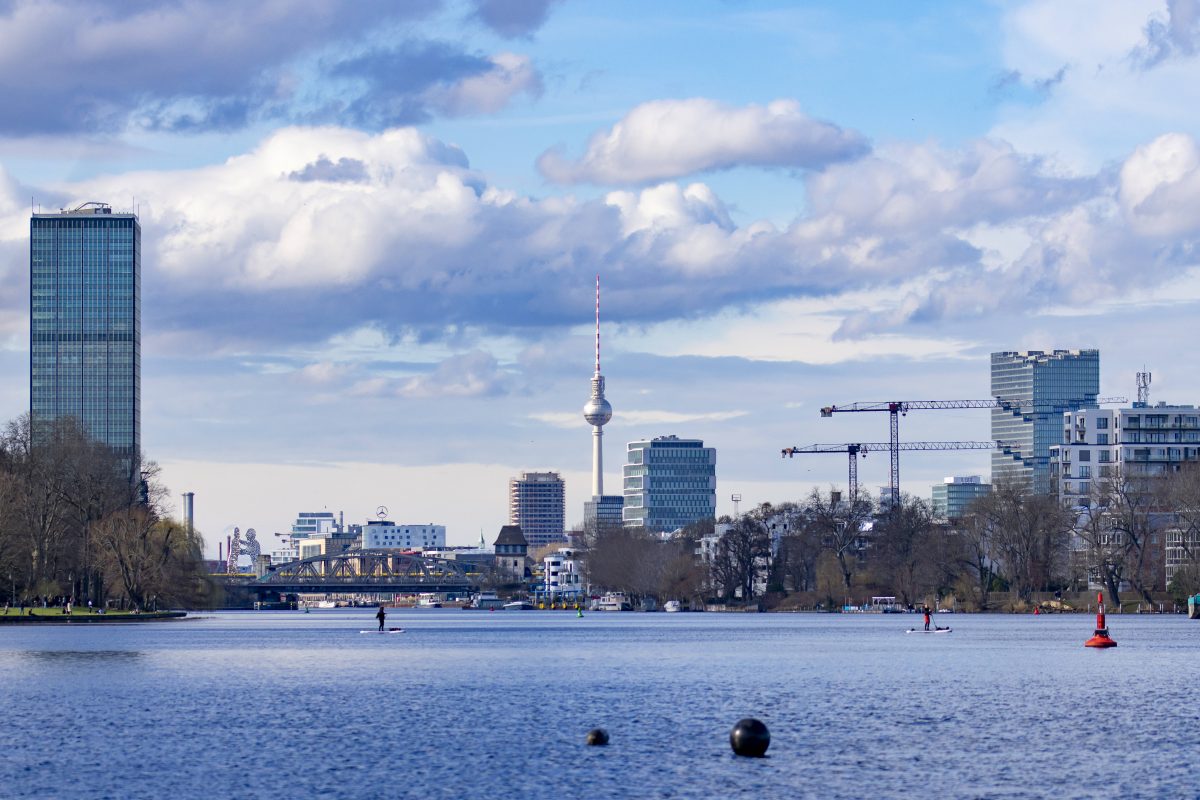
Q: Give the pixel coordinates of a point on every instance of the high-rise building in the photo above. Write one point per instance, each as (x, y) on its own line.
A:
(603, 512)
(669, 483)
(950, 498)
(85, 323)
(1034, 388)
(537, 503)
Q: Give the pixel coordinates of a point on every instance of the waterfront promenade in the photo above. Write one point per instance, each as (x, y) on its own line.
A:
(478, 704)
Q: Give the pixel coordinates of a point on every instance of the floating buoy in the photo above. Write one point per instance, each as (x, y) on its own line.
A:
(1100, 637)
(750, 738)
(597, 737)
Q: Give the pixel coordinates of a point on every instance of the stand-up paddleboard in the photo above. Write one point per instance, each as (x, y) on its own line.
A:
(389, 630)
(938, 630)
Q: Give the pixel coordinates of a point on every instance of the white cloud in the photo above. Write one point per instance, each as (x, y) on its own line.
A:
(488, 92)
(665, 139)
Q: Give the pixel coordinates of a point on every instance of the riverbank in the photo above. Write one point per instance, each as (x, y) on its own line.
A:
(54, 616)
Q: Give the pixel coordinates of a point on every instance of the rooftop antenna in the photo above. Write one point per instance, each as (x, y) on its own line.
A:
(1143, 389)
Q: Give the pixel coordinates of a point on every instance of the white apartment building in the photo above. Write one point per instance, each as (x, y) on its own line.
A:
(563, 573)
(1142, 441)
(382, 534)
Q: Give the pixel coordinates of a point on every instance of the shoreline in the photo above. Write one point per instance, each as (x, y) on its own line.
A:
(90, 619)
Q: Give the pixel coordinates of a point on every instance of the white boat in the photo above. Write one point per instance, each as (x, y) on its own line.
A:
(326, 604)
(485, 601)
(614, 601)
(429, 600)
(672, 606)
(518, 605)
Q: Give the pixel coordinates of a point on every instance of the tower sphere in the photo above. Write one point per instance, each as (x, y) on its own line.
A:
(597, 411)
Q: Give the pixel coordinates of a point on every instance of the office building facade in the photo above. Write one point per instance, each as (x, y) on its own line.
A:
(537, 503)
(604, 512)
(382, 534)
(85, 323)
(1033, 389)
(950, 498)
(669, 483)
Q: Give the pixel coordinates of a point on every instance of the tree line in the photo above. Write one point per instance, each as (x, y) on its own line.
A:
(82, 522)
(1009, 545)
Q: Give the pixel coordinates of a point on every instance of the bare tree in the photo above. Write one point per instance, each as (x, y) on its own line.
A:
(906, 548)
(1029, 533)
(839, 525)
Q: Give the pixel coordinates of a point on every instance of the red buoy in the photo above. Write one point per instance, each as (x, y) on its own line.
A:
(1100, 637)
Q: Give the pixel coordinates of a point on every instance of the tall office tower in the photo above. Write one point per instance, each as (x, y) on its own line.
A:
(601, 510)
(537, 503)
(85, 323)
(1034, 389)
(669, 482)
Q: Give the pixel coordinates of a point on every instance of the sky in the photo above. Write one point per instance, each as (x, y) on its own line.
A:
(371, 230)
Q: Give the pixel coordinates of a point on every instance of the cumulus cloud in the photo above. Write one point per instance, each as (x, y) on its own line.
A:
(490, 90)
(513, 18)
(422, 246)
(666, 139)
(1176, 36)
(68, 66)
(348, 170)
(221, 64)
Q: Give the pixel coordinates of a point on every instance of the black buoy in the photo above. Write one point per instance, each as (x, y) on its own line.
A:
(597, 737)
(750, 738)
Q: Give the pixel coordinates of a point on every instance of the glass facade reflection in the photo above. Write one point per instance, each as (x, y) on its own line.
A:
(1035, 388)
(85, 322)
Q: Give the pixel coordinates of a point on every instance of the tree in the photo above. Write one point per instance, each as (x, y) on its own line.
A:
(839, 526)
(1028, 533)
(149, 557)
(977, 554)
(741, 556)
(906, 548)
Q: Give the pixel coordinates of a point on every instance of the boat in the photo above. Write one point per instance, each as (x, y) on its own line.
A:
(485, 601)
(326, 604)
(614, 601)
(518, 605)
(1194, 607)
(429, 600)
(672, 606)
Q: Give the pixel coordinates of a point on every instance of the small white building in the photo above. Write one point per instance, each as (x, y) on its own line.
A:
(563, 572)
(382, 534)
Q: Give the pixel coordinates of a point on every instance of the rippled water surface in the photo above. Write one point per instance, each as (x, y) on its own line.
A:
(496, 705)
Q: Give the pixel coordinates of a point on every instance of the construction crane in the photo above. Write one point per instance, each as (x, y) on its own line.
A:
(855, 449)
(898, 407)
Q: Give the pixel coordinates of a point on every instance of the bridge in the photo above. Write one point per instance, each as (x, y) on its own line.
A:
(362, 572)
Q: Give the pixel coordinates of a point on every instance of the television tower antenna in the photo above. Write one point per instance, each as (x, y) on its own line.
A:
(1143, 389)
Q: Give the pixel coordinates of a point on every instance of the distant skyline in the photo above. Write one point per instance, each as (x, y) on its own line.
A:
(370, 230)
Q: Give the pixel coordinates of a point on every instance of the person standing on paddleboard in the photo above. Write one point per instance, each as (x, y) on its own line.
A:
(382, 615)
(925, 610)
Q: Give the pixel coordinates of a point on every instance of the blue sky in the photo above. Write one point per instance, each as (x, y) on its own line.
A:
(370, 230)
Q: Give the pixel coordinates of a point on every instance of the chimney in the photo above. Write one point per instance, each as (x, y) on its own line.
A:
(189, 512)
(835, 498)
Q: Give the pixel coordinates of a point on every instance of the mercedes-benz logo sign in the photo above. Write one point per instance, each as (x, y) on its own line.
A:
(381, 512)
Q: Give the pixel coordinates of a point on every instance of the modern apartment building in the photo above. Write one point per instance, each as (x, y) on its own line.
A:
(1034, 388)
(669, 482)
(85, 323)
(1097, 444)
(537, 504)
(605, 511)
(951, 497)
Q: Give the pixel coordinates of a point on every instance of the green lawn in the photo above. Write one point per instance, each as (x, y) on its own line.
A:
(76, 611)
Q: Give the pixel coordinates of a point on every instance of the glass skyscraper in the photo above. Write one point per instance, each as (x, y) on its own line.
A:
(1034, 388)
(85, 323)
(669, 482)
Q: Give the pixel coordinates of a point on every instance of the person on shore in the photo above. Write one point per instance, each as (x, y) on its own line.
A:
(925, 611)
(381, 616)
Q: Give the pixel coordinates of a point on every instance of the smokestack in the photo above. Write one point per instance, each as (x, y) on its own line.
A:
(220, 552)
(189, 512)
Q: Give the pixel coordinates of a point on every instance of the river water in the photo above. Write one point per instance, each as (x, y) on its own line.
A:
(497, 705)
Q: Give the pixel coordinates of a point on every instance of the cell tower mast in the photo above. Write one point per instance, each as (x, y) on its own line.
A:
(597, 412)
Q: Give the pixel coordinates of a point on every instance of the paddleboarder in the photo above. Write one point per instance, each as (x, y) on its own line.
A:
(925, 611)
(381, 616)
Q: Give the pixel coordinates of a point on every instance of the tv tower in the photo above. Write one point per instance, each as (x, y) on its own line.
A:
(597, 412)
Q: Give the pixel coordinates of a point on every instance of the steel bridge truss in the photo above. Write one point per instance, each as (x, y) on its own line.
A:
(368, 567)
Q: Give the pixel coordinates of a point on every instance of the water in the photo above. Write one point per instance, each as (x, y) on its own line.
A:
(496, 705)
